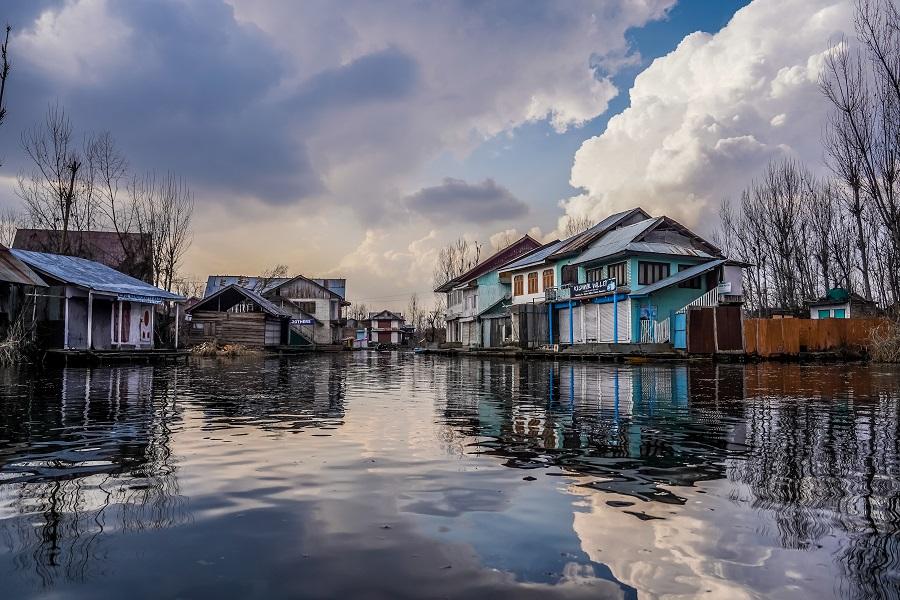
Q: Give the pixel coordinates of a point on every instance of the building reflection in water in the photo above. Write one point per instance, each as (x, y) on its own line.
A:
(87, 454)
(812, 449)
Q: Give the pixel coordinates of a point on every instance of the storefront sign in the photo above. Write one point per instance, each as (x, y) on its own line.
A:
(593, 287)
(301, 321)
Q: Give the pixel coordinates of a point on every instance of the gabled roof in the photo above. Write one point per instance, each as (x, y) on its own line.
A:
(13, 270)
(524, 244)
(232, 295)
(335, 287)
(631, 240)
(678, 277)
(537, 257)
(580, 241)
(92, 275)
(386, 314)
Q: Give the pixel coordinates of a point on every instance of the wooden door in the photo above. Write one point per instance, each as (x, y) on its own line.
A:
(126, 322)
(384, 337)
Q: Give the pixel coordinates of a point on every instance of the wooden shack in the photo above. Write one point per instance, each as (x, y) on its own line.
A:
(237, 315)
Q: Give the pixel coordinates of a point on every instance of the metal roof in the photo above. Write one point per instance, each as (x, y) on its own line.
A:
(13, 270)
(214, 283)
(664, 248)
(92, 275)
(265, 305)
(585, 238)
(535, 258)
(678, 277)
(616, 241)
(524, 245)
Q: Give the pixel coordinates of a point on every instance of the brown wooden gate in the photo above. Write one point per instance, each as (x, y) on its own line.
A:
(701, 338)
(728, 329)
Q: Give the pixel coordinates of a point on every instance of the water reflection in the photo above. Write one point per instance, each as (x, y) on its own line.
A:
(394, 475)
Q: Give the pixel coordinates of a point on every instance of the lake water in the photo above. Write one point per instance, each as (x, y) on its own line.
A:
(403, 476)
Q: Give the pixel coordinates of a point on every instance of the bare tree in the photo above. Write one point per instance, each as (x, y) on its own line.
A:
(414, 314)
(10, 220)
(267, 277)
(455, 259)
(360, 312)
(50, 191)
(576, 225)
(4, 72)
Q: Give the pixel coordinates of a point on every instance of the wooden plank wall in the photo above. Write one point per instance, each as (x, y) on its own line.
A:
(788, 337)
(248, 329)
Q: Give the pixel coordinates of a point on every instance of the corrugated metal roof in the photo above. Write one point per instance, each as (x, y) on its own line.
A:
(678, 277)
(264, 304)
(535, 258)
(580, 240)
(616, 241)
(664, 248)
(89, 274)
(216, 282)
(13, 270)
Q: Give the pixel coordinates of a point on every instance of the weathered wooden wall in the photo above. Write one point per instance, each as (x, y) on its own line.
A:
(789, 337)
(249, 329)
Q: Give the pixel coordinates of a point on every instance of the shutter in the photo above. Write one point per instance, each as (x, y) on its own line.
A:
(625, 321)
(591, 322)
(563, 325)
(606, 322)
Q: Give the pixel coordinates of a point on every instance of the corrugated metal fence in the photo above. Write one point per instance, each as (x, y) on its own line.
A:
(774, 337)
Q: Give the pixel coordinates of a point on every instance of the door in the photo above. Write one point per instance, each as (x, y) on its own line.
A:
(679, 331)
(126, 322)
(146, 329)
(384, 337)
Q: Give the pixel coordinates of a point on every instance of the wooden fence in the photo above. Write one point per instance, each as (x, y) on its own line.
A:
(790, 337)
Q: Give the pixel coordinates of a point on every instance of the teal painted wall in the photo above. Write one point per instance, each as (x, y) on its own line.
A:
(491, 289)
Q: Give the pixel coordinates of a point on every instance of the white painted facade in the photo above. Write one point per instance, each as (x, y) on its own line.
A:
(525, 297)
(838, 310)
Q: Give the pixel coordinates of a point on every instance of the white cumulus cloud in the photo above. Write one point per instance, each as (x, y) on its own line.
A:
(704, 119)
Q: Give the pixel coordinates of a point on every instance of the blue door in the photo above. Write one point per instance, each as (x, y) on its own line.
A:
(680, 331)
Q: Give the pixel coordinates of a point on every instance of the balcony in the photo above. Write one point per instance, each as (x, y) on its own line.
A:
(555, 294)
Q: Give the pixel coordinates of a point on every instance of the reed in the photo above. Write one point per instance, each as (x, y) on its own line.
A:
(884, 342)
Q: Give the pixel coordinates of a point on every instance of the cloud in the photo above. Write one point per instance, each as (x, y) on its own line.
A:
(458, 201)
(704, 119)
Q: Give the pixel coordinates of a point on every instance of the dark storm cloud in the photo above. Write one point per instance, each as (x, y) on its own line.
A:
(457, 200)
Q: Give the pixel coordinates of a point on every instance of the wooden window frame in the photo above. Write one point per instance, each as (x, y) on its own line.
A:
(548, 276)
(613, 270)
(648, 271)
(518, 285)
(694, 283)
(533, 282)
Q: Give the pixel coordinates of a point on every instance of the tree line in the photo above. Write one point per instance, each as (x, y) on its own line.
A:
(804, 234)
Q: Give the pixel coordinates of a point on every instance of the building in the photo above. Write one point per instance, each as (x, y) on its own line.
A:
(129, 253)
(478, 296)
(17, 282)
(89, 305)
(237, 315)
(386, 327)
(629, 279)
(316, 305)
(838, 303)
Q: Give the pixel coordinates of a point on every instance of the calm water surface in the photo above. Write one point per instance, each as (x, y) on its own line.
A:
(394, 475)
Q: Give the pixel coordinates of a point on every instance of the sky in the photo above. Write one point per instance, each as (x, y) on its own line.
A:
(354, 139)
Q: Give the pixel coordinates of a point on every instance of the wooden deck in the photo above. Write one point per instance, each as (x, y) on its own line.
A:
(76, 357)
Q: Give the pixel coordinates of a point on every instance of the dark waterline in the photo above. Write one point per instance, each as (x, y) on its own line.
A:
(394, 475)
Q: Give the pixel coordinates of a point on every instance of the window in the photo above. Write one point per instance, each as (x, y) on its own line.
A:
(456, 297)
(694, 283)
(593, 275)
(840, 313)
(824, 313)
(651, 272)
(619, 272)
(518, 290)
(532, 283)
(548, 278)
(569, 275)
(307, 307)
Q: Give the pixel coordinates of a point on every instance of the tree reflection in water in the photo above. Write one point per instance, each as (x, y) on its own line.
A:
(86, 454)
(817, 446)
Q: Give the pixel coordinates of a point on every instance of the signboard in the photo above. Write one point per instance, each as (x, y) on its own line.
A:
(593, 287)
(301, 321)
(139, 298)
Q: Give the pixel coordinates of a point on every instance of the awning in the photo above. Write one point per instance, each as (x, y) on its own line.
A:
(678, 277)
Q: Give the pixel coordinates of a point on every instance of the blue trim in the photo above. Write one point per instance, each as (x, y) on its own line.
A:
(571, 325)
(615, 318)
(550, 318)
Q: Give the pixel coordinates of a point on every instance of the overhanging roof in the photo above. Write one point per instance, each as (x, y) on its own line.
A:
(232, 295)
(92, 275)
(678, 277)
(13, 270)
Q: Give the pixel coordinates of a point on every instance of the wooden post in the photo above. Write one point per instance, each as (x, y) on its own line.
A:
(177, 319)
(90, 324)
(119, 328)
(152, 324)
(66, 320)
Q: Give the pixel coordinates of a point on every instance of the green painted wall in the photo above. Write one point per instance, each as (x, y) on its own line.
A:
(491, 289)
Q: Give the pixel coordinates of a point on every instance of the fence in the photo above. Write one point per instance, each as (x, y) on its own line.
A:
(773, 337)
